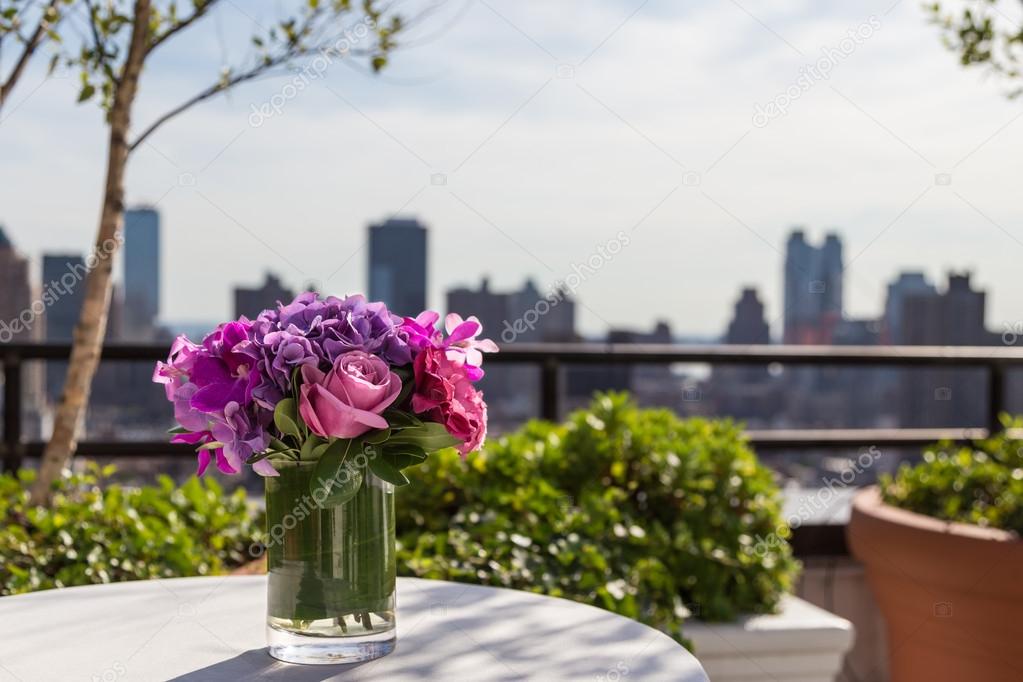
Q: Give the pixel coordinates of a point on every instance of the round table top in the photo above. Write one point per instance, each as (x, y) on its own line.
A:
(211, 629)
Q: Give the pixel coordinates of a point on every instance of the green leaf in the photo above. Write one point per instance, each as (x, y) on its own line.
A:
(387, 471)
(402, 455)
(430, 436)
(286, 418)
(399, 419)
(87, 91)
(212, 445)
(377, 437)
(308, 447)
(408, 383)
(178, 429)
(333, 482)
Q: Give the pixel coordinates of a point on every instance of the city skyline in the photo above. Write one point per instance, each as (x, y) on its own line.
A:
(523, 162)
(916, 311)
(813, 282)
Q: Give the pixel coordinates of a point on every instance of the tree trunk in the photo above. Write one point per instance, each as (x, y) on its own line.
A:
(92, 322)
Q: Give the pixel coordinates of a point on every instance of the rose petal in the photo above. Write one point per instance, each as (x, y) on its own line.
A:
(311, 374)
(307, 411)
(335, 418)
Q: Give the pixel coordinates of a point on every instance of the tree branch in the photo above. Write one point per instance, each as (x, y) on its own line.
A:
(204, 95)
(31, 44)
(293, 48)
(197, 14)
(98, 42)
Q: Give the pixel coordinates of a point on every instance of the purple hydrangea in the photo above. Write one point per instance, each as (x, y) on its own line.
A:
(316, 331)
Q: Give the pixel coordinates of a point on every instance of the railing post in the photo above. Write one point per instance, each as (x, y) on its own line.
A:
(550, 388)
(995, 396)
(12, 413)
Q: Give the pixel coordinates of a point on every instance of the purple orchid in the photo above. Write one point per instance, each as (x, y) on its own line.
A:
(242, 436)
(198, 438)
(211, 386)
(223, 371)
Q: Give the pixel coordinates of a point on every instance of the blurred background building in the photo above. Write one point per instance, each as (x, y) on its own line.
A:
(141, 273)
(397, 265)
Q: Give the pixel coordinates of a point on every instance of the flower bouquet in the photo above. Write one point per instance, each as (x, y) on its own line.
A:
(331, 400)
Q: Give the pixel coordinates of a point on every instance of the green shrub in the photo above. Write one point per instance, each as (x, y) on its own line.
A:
(632, 510)
(101, 532)
(980, 484)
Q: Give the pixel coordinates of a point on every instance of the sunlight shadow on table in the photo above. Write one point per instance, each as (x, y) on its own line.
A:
(257, 664)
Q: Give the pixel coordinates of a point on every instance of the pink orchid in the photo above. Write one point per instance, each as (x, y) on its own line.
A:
(461, 345)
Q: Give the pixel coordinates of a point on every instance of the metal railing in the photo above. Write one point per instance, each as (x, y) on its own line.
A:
(552, 357)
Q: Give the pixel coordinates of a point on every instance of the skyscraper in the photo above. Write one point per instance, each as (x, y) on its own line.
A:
(141, 273)
(21, 320)
(251, 302)
(908, 284)
(397, 265)
(921, 315)
(18, 321)
(526, 315)
(954, 317)
(63, 289)
(748, 324)
(813, 289)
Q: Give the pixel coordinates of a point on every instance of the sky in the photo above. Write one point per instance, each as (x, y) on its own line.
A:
(529, 135)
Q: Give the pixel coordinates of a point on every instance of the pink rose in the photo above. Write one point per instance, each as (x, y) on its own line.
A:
(347, 401)
(445, 394)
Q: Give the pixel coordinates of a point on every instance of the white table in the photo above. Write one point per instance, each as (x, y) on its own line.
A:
(212, 629)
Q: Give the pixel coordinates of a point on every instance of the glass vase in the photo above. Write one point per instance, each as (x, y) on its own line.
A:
(331, 572)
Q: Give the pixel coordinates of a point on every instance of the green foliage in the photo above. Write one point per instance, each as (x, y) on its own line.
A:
(635, 511)
(980, 484)
(981, 32)
(101, 532)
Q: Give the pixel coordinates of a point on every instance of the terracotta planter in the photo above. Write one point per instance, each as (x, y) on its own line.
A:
(951, 593)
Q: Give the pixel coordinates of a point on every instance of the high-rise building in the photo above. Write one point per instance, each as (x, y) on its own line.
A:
(540, 317)
(739, 391)
(954, 317)
(63, 289)
(813, 288)
(490, 307)
(397, 265)
(748, 325)
(141, 273)
(908, 284)
(251, 302)
(18, 321)
(64, 281)
(21, 321)
(921, 315)
(526, 315)
(523, 316)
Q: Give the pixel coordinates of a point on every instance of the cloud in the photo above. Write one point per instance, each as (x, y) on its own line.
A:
(542, 164)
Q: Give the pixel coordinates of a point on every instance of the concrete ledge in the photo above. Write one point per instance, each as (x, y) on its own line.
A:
(801, 643)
